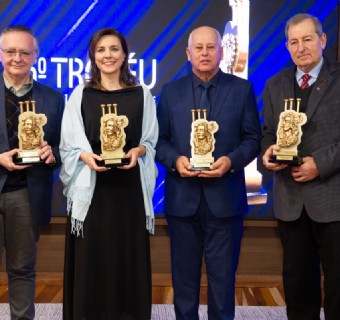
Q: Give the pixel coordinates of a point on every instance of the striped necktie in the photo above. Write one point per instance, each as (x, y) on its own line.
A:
(304, 83)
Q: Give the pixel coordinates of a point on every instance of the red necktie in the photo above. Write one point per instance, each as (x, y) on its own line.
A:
(304, 83)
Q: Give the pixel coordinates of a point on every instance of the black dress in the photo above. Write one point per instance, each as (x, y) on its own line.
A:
(108, 270)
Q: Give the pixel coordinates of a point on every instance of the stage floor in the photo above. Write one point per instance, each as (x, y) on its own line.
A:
(53, 311)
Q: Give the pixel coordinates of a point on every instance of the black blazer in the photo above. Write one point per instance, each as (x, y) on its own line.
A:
(39, 178)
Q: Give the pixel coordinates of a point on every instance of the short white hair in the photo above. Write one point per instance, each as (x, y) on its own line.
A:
(218, 35)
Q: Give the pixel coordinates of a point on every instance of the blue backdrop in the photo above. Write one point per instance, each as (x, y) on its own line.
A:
(157, 33)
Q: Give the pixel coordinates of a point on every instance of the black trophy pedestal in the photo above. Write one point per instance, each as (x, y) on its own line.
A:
(23, 161)
(113, 162)
(286, 159)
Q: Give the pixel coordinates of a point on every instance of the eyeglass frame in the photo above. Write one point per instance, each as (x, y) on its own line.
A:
(24, 54)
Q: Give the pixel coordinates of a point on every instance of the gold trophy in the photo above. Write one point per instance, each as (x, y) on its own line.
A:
(202, 140)
(289, 134)
(112, 137)
(30, 134)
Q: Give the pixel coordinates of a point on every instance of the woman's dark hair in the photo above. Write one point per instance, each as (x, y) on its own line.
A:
(126, 79)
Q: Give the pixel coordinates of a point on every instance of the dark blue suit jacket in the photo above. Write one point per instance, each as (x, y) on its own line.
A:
(234, 109)
(39, 178)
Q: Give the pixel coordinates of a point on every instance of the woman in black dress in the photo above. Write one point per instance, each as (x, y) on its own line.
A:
(107, 258)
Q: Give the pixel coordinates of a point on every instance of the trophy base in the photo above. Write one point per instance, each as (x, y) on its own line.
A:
(23, 161)
(200, 168)
(118, 162)
(27, 157)
(286, 159)
(201, 164)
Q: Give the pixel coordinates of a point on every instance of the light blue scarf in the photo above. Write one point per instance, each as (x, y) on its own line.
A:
(79, 180)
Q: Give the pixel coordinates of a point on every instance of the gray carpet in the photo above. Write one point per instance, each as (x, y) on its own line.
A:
(50, 311)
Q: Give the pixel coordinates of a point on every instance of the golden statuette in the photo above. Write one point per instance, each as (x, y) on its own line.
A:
(289, 134)
(202, 140)
(30, 134)
(112, 136)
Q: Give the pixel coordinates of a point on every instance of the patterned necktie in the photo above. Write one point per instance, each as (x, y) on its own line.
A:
(304, 83)
(205, 99)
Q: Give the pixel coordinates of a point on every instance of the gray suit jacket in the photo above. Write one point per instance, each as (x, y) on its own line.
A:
(320, 139)
(39, 178)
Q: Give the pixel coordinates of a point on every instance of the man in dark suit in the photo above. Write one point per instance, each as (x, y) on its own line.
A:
(306, 198)
(26, 190)
(205, 209)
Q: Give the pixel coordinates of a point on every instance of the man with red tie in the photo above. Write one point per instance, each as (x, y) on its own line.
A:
(306, 198)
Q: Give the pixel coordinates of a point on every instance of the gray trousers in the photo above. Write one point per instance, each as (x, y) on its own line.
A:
(19, 235)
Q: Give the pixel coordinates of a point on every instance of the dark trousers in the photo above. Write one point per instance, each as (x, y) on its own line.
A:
(306, 244)
(219, 239)
(18, 235)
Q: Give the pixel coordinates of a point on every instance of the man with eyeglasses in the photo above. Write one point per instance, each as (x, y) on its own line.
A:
(25, 190)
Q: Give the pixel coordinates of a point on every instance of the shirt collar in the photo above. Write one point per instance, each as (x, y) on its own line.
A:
(197, 81)
(22, 90)
(313, 73)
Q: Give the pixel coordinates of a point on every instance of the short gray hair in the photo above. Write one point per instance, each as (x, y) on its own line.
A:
(301, 17)
(21, 28)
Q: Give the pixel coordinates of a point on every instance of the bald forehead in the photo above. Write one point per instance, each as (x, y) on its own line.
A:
(204, 34)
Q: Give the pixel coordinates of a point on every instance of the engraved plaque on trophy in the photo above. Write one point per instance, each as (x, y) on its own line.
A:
(30, 134)
(289, 134)
(202, 140)
(112, 137)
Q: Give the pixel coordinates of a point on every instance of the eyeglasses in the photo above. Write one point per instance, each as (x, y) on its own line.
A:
(10, 53)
